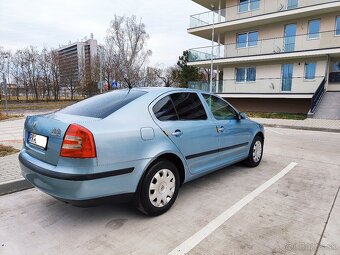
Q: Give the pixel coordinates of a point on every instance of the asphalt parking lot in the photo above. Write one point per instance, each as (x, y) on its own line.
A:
(298, 213)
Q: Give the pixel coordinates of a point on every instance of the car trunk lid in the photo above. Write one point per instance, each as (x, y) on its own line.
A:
(50, 130)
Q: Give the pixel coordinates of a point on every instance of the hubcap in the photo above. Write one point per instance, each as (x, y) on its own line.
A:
(257, 151)
(162, 188)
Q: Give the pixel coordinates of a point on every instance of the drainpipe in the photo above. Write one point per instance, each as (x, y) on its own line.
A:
(212, 50)
(217, 67)
(327, 71)
(219, 11)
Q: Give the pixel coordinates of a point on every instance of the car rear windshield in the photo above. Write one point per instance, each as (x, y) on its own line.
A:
(103, 105)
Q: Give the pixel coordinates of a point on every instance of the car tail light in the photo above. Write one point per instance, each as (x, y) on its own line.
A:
(78, 143)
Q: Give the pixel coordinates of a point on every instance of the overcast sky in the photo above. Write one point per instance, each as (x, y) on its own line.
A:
(53, 23)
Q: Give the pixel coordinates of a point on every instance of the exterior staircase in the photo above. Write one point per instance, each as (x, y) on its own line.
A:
(329, 107)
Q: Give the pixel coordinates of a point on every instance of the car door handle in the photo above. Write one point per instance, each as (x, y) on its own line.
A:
(177, 133)
(220, 129)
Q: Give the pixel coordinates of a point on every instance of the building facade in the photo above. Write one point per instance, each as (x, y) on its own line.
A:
(75, 62)
(275, 55)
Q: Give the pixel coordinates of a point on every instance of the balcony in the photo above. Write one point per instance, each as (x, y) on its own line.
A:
(251, 8)
(272, 46)
(298, 87)
(205, 86)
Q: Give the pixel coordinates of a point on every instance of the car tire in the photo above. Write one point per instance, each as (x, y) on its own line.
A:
(255, 152)
(159, 188)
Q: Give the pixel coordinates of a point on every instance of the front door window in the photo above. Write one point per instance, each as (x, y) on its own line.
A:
(233, 133)
(219, 108)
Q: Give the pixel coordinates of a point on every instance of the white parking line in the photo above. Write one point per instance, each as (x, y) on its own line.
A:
(274, 131)
(195, 239)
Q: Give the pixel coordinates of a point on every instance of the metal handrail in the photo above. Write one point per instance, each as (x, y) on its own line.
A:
(317, 95)
(272, 85)
(271, 38)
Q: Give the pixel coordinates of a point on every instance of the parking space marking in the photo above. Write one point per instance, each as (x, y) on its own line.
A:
(199, 236)
(274, 131)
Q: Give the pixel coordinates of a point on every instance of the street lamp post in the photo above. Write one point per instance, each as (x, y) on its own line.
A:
(212, 50)
(5, 87)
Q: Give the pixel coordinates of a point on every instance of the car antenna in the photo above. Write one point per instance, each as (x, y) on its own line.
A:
(129, 84)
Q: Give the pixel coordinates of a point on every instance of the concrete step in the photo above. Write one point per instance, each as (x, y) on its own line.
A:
(329, 107)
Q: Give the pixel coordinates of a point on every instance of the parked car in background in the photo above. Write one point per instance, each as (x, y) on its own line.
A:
(140, 144)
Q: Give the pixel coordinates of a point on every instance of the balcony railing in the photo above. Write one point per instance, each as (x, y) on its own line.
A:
(296, 85)
(248, 9)
(302, 42)
(204, 85)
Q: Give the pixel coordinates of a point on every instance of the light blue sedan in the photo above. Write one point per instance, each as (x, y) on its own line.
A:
(139, 145)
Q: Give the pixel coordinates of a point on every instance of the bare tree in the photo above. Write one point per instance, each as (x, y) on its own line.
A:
(4, 64)
(108, 63)
(91, 77)
(166, 76)
(3, 54)
(32, 69)
(126, 41)
(55, 74)
(150, 78)
(17, 71)
(45, 64)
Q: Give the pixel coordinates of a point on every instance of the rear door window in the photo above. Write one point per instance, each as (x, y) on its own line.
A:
(180, 106)
(103, 105)
(188, 106)
(164, 109)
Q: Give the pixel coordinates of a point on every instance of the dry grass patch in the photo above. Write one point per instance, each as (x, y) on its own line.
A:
(7, 150)
(275, 115)
(51, 105)
(10, 116)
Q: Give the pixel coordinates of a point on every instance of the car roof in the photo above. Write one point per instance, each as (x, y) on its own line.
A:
(161, 90)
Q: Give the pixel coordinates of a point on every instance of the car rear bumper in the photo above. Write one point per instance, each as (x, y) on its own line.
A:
(81, 188)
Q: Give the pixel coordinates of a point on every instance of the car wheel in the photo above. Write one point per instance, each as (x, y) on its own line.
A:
(255, 153)
(159, 188)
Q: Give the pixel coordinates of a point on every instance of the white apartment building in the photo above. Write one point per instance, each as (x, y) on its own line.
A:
(75, 60)
(274, 55)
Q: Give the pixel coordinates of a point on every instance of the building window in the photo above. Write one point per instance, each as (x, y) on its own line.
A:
(337, 26)
(249, 39)
(310, 69)
(249, 5)
(314, 29)
(246, 74)
(336, 67)
(292, 4)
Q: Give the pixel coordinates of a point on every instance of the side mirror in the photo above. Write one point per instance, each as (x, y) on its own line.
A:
(242, 115)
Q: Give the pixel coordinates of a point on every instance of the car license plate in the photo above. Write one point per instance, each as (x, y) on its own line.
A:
(37, 140)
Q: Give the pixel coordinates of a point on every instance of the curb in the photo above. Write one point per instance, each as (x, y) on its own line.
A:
(14, 186)
(10, 119)
(332, 130)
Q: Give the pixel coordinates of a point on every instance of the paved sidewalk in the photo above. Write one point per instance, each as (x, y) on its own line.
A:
(307, 124)
(11, 132)
(9, 168)
(11, 179)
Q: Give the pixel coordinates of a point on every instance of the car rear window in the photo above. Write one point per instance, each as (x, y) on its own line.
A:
(103, 105)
